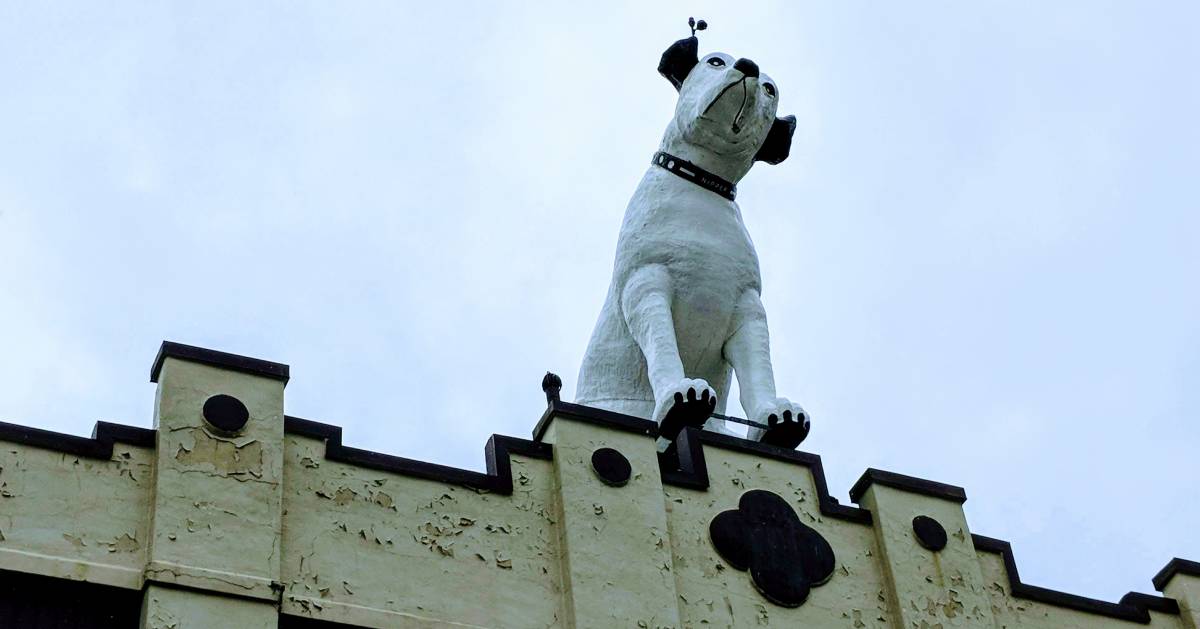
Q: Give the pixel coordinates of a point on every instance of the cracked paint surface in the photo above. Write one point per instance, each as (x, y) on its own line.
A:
(372, 547)
(200, 451)
(182, 609)
(711, 593)
(218, 498)
(930, 589)
(74, 517)
(613, 538)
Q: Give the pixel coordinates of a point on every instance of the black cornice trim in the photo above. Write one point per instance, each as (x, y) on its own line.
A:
(1174, 567)
(683, 465)
(225, 360)
(596, 416)
(1150, 602)
(315, 430)
(498, 478)
(1134, 606)
(906, 483)
(99, 446)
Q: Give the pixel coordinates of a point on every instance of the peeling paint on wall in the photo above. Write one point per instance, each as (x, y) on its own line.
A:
(221, 456)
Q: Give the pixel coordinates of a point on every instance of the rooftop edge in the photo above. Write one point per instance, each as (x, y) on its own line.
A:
(225, 360)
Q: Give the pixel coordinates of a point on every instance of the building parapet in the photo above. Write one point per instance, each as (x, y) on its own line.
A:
(231, 513)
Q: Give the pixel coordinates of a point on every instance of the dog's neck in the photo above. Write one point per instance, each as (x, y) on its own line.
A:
(696, 175)
(731, 167)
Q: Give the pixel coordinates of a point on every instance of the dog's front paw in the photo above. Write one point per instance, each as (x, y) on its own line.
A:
(787, 424)
(689, 402)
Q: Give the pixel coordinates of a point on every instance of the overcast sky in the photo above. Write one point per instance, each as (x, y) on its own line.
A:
(979, 263)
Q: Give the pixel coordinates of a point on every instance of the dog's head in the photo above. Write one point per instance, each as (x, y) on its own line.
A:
(726, 110)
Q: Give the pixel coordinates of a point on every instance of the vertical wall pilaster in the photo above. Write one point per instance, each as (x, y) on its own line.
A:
(218, 490)
(1180, 580)
(927, 586)
(172, 608)
(617, 566)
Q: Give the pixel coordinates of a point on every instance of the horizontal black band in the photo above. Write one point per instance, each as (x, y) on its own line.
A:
(1174, 567)
(906, 483)
(224, 360)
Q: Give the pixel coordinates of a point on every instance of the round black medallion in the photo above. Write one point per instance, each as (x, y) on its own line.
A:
(225, 414)
(929, 532)
(611, 466)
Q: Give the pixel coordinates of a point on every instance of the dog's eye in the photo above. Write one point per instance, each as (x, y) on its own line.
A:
(716, 62)
(770, 89)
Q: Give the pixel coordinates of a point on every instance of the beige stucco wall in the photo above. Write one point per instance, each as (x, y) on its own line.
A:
(217, 499)
(171, 608)
(1014, 612)
(76, 517)
(380, 549)
(1186, 590)
(712, 594)
(614, 540)
(224, 531)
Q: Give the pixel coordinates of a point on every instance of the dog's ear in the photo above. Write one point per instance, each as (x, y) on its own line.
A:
(778, 144)
(678, 60)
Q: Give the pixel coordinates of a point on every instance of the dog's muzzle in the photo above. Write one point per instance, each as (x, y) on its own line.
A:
(736, 125)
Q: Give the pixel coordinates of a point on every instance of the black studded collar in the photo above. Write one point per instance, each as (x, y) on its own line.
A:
(686, 170)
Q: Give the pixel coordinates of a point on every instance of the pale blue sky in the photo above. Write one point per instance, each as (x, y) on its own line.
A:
(979, 263)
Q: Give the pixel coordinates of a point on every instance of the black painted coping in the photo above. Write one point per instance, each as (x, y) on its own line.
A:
(907, 483)
(244, 364)
(99, 446)
(498, 478)
(1174, 567)
(1134, 606)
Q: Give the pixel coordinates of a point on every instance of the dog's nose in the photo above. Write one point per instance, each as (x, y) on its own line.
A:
(747, 67)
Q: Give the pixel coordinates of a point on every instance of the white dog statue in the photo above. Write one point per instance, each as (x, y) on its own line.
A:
(683, 310)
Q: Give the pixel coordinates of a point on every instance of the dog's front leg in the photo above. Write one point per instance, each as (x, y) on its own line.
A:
(748, 350)
(679, 401)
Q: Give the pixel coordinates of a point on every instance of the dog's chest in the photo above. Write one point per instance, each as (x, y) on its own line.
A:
(697, 234)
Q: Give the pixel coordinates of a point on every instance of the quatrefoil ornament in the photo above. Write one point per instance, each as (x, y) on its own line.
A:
(786, 559)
